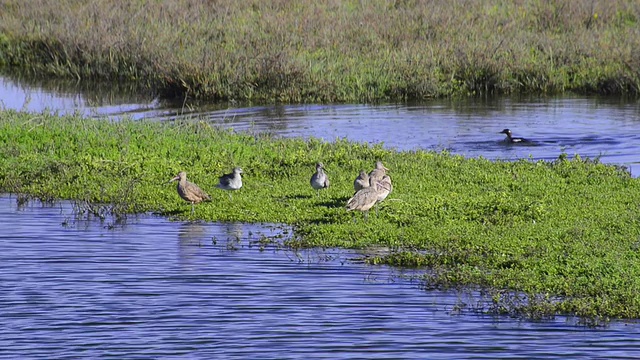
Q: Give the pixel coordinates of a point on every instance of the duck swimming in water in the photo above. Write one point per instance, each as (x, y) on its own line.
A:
(512, 140)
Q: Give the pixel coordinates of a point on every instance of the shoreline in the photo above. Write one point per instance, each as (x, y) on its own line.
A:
(570, 233)
(344, 52)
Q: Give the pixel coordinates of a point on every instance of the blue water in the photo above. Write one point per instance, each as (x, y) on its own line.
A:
(608, 128)
(152, 288)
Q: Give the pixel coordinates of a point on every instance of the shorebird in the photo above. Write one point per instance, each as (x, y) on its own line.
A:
(231, 181)
(386, 187)
(189, 191)
(365, 199)
(377, 173)
(361, 182)
(319, 180)
(510, 139)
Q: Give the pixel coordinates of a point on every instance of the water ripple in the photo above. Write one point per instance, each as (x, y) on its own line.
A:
(159, 289)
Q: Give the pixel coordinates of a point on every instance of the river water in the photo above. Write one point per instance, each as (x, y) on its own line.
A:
(153, 288)
(608, 128)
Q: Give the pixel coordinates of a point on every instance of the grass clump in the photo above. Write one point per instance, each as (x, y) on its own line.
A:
(563, 235)
(310, 51)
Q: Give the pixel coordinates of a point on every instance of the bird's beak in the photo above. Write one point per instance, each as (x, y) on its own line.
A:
(174, 179)
(382, 186)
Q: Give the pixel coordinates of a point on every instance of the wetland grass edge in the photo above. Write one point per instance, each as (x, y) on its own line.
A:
(565, 234)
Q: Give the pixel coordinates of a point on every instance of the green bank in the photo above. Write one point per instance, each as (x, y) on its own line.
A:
(330, 51)
(563, 235)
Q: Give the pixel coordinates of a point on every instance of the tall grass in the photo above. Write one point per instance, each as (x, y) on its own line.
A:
(326, 51)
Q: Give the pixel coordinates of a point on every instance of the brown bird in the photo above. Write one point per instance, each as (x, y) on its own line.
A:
(189, 191)
(365, 199)
(361, 182)
(319, 180)
(377, 173)
(384, 190)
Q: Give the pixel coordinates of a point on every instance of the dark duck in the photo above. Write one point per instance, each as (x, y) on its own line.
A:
(513, 140)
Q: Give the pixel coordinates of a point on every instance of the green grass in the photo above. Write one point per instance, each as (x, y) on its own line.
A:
(564, 235)
(328, 51)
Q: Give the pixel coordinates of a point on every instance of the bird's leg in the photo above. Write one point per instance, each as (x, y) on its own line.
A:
(192, 209)
(366, 216)
(230, 198)
(376, 210)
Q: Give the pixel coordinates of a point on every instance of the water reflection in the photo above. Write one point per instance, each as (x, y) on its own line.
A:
(158, 289)
(608, 128)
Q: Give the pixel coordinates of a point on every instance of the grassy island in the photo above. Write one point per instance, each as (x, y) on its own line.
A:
(330, 51)
(564, 236)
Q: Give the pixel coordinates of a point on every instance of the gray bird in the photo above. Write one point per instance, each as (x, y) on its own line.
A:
(361, 182)
(231, 181)
(386, 187)
(189, 191)
(377, 173)
(319, 180)
(365, 199)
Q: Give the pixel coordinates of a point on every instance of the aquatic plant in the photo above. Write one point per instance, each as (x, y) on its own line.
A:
(563, 235)
(317, 51)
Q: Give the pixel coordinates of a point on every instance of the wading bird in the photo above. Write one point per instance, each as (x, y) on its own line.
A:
(189, 191)
(377, 173)
(512, 140)
(319, 180)
(361, 182)
(365, 199)
(231, 181)
(386, 187)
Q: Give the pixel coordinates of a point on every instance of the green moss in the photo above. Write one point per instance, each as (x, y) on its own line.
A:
(564, 234)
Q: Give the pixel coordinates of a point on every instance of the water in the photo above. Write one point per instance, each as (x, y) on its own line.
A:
(158, 289)
(152, 288)
(608, 128)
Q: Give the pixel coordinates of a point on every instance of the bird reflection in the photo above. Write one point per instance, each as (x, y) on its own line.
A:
(234, 230)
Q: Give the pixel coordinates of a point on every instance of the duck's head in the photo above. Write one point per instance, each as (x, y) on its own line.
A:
(506, 132)
(237, 170)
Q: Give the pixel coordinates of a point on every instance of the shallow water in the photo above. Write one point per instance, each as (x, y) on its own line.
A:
(608, 128)
(153, 288)
(157, 289)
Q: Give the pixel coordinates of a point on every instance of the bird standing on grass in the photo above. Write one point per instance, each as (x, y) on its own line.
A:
(365, 199)
(189, 191)
(361, 182)
(231, 181)
(512, 140)
(319, 180)
(376, 174)
(386, 187)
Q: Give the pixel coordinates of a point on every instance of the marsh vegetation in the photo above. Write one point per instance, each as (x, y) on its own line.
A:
(543, 237)
(329, 51)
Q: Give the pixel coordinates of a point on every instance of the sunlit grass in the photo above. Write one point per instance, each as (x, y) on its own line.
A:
(326, 51)
(563, 234)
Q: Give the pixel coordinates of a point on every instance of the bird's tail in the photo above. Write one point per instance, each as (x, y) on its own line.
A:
(351, 204)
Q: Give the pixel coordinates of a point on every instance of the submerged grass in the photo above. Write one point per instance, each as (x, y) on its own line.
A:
(327, 51)
(563, 234)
